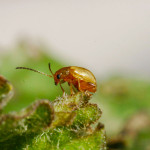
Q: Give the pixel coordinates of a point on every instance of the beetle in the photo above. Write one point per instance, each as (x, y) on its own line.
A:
(82, 79)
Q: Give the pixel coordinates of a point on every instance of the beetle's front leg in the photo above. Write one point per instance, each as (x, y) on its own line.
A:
(62, 90)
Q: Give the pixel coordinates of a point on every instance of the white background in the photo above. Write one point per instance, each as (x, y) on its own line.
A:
(104, 36)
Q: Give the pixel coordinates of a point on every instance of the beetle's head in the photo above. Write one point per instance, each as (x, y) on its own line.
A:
(57, 77)
(60, 75)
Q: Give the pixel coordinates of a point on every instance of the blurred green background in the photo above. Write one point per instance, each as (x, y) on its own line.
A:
(125, 102)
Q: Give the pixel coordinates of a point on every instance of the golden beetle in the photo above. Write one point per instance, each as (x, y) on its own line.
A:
(82, 79)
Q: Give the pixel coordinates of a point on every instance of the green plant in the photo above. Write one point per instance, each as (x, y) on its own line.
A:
(67, 123)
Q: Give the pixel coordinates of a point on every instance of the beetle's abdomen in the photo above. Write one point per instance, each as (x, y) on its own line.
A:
(87, 86)
(83, 79)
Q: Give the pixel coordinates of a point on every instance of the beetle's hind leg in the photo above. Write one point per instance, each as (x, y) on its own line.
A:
(86, 92)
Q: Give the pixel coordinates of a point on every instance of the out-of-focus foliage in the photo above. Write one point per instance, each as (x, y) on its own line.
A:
(28, 85)
(126, 112)
(62, 124)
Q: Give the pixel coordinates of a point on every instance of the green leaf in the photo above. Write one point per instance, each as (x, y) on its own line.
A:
(69, 122)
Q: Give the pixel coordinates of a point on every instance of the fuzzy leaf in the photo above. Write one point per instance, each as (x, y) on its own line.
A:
(62, 124)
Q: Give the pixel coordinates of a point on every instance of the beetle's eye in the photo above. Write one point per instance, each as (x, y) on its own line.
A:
(58, 76)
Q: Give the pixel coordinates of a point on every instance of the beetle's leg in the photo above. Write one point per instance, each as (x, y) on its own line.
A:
(71, 89)
(86, 92)
(62, 90)
(79, 88)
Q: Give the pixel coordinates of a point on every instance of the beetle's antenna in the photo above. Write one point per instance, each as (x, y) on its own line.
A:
(49, 65)
(34, 71)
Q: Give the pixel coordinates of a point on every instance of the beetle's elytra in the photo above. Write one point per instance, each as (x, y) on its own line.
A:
(82, 79)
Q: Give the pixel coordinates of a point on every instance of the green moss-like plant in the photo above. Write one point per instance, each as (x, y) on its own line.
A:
(67, 123)
(6, 92)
